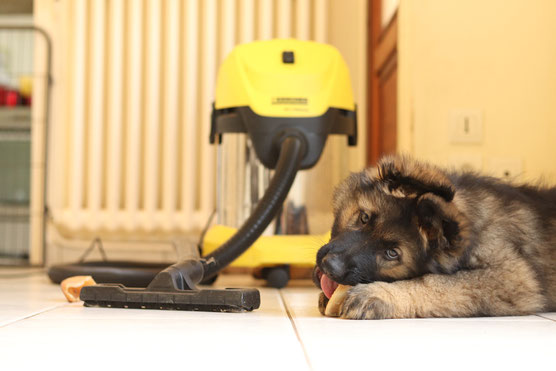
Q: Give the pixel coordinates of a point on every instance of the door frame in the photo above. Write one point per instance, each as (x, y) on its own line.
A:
(381, 58)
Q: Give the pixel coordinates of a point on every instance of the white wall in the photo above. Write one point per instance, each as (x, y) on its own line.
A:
(496, 56)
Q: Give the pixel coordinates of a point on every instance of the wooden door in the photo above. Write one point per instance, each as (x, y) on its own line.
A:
(382, 84)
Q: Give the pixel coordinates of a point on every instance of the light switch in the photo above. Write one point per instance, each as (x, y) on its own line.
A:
(466, 127)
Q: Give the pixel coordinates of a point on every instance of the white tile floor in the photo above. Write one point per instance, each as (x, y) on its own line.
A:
(38, 328)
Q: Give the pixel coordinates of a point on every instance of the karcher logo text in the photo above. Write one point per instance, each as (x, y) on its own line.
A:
(284, 100)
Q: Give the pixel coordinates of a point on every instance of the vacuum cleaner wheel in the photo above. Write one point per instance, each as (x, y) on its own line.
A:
(277, 277)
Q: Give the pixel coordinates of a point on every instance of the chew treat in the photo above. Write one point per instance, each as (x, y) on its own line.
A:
(71, 287)
(335, 302)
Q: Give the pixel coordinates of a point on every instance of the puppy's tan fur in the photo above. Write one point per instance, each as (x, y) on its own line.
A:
(501, 261)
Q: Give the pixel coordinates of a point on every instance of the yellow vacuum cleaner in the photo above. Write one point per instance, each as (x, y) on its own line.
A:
(267, 89)
(287, 96)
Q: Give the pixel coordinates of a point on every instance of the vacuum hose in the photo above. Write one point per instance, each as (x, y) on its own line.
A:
(292, 151)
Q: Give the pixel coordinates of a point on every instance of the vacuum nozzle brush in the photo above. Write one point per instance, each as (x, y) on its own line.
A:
(119, 296)
(173, 288)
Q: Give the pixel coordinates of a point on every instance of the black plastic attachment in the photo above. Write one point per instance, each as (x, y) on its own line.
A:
(173, 288)
(263, 131)
(184, 275)
(118, 296)
(288, 56)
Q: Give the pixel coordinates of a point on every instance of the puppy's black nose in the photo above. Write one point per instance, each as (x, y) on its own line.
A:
(333, 266)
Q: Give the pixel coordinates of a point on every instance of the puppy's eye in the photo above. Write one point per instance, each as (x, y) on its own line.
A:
(364, 217)
(391, 254)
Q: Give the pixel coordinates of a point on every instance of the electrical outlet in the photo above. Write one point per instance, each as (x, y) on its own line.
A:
(507, 168)
(466, 126)
(466, 162)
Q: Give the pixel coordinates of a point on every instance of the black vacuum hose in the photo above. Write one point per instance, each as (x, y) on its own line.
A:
(292, 151)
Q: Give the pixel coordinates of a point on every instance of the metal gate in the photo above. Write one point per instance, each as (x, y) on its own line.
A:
(17, 80)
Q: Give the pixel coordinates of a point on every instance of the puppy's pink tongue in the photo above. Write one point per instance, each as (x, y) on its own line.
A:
(328, 286)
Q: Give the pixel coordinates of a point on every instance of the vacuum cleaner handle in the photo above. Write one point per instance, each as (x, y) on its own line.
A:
(293, 148)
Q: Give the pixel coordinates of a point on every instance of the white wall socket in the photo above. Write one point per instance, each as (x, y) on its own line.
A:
(466, 162)
(466, 126)
(507, 168)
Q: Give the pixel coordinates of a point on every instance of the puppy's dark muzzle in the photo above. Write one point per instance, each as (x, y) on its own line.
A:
(331, 262)
(334, 267)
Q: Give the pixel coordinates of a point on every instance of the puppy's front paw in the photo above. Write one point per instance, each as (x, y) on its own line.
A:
(367, 301)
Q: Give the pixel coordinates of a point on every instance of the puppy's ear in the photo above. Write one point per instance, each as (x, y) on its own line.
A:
(406, 177)
(441, 223)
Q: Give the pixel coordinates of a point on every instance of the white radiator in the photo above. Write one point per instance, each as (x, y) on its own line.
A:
(140, 90)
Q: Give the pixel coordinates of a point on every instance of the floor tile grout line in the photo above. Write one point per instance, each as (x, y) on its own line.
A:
(31, 315)
(548, 318)
(292, 321)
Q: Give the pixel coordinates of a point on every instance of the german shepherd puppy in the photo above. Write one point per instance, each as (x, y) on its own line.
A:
(417, 241)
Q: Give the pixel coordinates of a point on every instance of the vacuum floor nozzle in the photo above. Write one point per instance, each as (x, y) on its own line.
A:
(119, 296)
